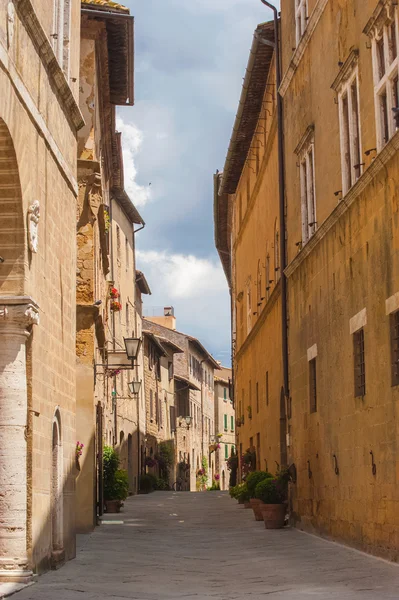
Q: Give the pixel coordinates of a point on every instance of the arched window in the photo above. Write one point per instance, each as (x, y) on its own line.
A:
(57, 486)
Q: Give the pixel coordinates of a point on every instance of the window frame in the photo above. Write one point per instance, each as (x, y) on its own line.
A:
(350, 132)
(384, 82)
(301, 19)
(307, 179)
(359, 363)
(394, 340)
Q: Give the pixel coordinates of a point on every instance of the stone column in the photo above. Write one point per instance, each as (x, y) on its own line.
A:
(17, 314)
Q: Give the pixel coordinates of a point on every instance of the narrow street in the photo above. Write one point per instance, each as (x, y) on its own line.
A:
(180, 545)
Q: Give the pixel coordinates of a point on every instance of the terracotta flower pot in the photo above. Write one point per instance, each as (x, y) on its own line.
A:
(113, 506)
(247, 505)
(273, 515)
(256, 507)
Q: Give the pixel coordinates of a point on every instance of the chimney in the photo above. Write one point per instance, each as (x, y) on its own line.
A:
(168, 320)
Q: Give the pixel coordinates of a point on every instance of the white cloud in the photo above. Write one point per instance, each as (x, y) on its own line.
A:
(197, 289)
(182, 276)
(132, 139)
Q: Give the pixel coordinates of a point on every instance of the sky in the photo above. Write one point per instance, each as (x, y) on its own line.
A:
(190, 60)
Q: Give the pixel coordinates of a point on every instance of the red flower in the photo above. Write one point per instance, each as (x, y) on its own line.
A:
(113, 292)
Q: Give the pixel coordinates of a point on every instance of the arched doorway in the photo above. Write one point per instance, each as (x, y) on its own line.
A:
(57, 489)
(12, 227)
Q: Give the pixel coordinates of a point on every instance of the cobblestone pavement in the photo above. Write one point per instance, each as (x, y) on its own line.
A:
(197, 546)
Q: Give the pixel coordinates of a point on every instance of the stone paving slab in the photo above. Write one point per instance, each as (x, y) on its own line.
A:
(205, 546)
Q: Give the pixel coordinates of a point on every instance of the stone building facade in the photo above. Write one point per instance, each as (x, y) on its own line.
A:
(340, 155)
(39, 121)
(343, 278)
(247, 238)
(108, 309)
(225, 425)
(193, 373)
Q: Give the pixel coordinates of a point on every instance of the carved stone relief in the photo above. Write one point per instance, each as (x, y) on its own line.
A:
(33, 226)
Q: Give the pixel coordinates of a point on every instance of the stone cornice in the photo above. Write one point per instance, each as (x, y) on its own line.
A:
(346, 69)
(28, 16)
(367, 177)
(303, 44)
(382, 14)
(261, 319)
(17, 313)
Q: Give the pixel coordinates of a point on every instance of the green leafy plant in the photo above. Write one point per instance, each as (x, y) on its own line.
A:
(214, 487)
(120, 485)
(165, 459)
(242, 493)
(270, 491)
(110, 468)
(254, 478)
(148, 483)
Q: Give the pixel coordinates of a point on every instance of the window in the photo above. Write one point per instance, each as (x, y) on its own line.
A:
(224, 393)
(126, 254)
(257, 397)
(249, 307)
(250, 400)
(312, 386)
(301, 18)
(170, 370)
(394, 323)
(172, 412)
(268, 280)
(258, 465)
(60, 35)
(232, 423)
(118, 242)
(267, 388)
(225, 422)
(151, 405)
(308, 200)
(259, 290)
(349, 124)
(226, 451)
(359, 363)
(385, 67)
(276, 251)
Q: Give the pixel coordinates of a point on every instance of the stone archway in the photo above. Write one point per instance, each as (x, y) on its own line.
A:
(12, 226)
(57, 534)
(17, 314)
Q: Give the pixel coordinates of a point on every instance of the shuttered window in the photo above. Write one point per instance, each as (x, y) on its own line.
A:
(151, 405)
(232, 423)
(394, 323)
(359, 363)
(172, 412)
(226, 451)
(225, 422)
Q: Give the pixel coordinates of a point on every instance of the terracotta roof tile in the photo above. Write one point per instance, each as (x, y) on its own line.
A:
(104, 4)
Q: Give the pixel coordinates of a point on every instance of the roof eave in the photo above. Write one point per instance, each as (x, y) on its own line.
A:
(226, 186)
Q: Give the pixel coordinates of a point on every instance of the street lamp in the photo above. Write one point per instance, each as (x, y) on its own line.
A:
(132, 346)
(187, 419)
(134, 387)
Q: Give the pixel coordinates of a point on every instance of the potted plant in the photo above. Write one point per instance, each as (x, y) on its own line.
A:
(116, 484)
(242, 495)
(271, 493)
(252, 481)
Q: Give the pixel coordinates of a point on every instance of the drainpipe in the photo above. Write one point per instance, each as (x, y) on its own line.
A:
(281, 178)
